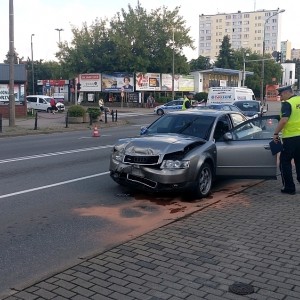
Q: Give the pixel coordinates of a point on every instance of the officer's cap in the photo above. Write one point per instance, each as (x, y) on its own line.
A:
(284, 88)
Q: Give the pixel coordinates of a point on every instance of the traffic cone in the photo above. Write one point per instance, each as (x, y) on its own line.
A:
(96, 132)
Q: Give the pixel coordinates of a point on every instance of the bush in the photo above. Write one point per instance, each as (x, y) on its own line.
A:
(76, 111)
(201, 96)
(93, 112)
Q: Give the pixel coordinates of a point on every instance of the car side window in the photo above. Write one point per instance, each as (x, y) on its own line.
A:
(237, 119)
(221, 128)
(31, 99)
(256, 129)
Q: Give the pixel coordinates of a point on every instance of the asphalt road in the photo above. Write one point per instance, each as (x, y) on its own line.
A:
(59, 205)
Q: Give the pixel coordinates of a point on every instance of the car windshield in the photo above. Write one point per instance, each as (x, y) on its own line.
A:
(247, 106)
(198, 126)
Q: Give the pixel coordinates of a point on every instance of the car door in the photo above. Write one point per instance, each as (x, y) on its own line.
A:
(31, 102)
(244, 152)
(171, 106)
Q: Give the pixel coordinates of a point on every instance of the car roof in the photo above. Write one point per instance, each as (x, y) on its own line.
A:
(45, 96)
(241, 101)
(205, 112)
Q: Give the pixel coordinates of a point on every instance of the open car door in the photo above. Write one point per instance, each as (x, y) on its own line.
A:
(244, 152)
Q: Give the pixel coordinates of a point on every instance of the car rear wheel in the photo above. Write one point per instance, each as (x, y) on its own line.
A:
(204, 181)
(160, 112)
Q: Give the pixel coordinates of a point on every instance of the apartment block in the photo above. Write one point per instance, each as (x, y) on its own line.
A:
(245, 30)
(286, 50)
(295, 54)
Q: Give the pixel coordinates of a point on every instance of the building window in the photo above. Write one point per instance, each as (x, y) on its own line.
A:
(246, 16)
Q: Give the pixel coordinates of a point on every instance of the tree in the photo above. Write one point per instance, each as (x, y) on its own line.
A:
(201, 63)
(225, 58)
(17, 59)
(132, 40)
(253, 63)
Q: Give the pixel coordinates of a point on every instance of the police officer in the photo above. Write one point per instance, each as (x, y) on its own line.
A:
(289, 125)
(186, 103)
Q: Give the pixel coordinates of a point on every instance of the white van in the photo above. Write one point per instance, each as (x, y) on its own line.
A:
(229, 94)
(42, 102)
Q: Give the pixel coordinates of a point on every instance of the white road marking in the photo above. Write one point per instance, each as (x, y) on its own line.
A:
(3, 161)
(52, 185)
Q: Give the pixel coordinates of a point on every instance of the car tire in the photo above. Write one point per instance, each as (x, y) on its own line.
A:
(160, 112)
(204, 181)
(48, 110)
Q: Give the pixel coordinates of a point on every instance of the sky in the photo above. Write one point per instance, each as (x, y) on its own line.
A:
(42, 17)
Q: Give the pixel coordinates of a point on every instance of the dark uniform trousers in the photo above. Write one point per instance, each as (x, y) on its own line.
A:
(291, 150)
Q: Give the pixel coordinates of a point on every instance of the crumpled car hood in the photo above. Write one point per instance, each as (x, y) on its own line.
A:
(157, 144)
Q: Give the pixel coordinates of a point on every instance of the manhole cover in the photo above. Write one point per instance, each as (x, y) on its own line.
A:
(240, 288)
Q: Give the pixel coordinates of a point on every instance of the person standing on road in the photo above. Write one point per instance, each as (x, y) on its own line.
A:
(289, 125)
(186, 103)
(101, 107)
(53, 105)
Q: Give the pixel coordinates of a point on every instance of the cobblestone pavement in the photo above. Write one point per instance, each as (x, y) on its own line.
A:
(249, 240)
(246, 243)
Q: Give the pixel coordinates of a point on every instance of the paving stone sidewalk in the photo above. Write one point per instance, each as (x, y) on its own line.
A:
(251, 239)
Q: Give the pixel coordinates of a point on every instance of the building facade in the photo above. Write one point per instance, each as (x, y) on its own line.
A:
(286, 50)
(295, 54)
(245, 30)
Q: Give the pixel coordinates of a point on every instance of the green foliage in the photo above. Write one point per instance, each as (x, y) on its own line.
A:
(133, 40)
(201, 96)
(225, 57)
(94, 112)
(76, 111)
(201, 63)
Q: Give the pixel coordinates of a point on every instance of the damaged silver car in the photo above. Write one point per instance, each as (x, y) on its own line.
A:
(187, 150)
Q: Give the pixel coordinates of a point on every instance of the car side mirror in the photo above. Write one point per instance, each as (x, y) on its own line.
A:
(144, 130)
(228, 136)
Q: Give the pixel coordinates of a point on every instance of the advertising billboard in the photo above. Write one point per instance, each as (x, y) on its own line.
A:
(182, 83)
(90, 82)
(147, 81)
(117, 82)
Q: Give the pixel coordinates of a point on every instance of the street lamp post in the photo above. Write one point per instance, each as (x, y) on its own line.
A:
(263, 55)
(173, 67)
(32, 67)
(59, 30)
(244, 67)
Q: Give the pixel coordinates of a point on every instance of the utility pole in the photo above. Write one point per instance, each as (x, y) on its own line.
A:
(12, 112)
(173, 67)
(32, 65)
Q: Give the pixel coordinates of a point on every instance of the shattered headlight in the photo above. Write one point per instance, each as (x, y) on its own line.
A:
(118, 155)
(175, 164)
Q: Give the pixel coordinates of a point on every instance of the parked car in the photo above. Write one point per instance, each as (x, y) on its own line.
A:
(188, 150)
(42, 103)
(251, 108)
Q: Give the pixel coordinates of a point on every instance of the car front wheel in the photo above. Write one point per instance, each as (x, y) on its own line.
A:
(204, 181)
